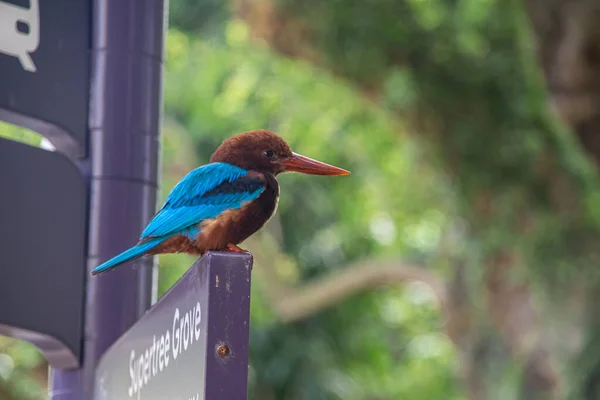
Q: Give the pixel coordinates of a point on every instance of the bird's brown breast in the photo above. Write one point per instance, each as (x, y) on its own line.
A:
(235, 226)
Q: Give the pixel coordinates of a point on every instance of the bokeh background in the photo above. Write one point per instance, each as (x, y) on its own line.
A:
(460, 260)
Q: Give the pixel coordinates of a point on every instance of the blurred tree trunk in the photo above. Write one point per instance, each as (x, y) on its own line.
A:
(568, 47)
(526, 187)
(567, 37)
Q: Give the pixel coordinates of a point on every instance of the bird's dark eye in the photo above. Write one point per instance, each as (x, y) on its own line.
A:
(269, 153)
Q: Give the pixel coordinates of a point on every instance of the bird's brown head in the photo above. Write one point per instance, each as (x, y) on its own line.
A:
(264, 151)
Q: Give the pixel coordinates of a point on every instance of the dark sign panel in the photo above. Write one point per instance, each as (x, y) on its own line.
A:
(43, 236)
(192, 345)
(44, 65)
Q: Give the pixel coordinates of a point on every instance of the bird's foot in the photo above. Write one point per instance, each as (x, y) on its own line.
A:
(235, 249)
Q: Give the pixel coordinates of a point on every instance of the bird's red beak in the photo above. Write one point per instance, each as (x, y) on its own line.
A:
(300, 163)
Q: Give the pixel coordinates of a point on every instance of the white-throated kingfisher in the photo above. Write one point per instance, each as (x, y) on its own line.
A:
(218, 205)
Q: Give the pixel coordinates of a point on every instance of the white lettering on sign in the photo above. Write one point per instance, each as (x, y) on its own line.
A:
(155, 359)
(20, 32)
(182, 332)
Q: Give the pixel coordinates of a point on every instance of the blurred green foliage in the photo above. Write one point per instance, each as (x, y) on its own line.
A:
(465, 70)
(22, 371)
(462, 74)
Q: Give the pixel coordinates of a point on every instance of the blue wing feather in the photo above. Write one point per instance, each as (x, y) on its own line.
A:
(194, 199)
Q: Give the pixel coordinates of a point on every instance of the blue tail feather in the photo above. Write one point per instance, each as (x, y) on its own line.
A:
(128, 255)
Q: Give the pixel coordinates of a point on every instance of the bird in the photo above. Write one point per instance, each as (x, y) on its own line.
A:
(219, 205)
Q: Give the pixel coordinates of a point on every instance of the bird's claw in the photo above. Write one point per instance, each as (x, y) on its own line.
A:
(235, 249)
(232, 247)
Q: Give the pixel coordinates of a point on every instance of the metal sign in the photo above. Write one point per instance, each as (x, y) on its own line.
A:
(20, 32)
(44, 65)
(193, 344)
(43, 231)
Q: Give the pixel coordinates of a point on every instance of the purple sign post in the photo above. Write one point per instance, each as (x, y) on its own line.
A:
(192, 345)
(124, 136)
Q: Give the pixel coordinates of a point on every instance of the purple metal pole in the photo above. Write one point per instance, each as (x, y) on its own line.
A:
(124, 123)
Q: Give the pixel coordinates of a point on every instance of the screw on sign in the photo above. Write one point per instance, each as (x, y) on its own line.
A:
(20, 32)
(223, 350)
